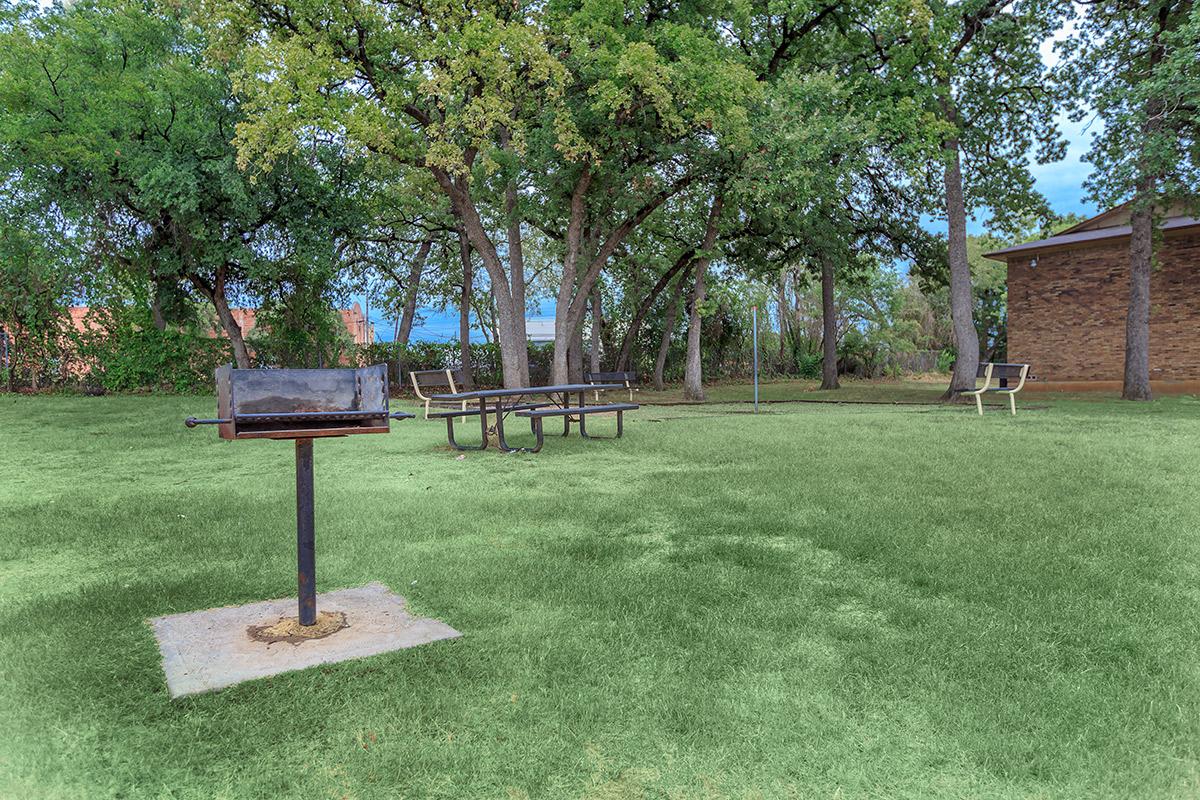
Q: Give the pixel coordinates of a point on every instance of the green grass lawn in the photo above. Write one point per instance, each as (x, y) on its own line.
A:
(819, 601)
(905, 391)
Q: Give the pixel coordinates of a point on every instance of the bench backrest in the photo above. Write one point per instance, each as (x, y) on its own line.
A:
(427, 382)
(626, 378)
(1001, 374)
(629, 378)
(430, 379)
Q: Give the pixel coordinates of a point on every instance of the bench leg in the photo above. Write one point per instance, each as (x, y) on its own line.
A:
(583, 427)
(1012, 402)
(535, 425)
(979, 404)
(456, 445)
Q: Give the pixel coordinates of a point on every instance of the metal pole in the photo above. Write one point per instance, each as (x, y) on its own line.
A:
(755, 310)
(306, 562)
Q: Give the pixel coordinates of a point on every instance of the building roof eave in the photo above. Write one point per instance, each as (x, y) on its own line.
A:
(1066, 240)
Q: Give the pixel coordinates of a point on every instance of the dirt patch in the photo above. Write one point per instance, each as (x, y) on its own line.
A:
(289, 629)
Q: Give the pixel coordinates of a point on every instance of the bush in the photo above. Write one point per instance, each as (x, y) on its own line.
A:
(808, 365)
(946, 358)
(123, 357)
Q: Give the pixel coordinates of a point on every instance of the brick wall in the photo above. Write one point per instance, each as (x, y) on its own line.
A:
(1066, 316)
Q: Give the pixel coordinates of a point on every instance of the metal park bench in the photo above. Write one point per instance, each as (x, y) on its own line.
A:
(435, 379)
(578, 414)
(629, 379)
(1002, 373)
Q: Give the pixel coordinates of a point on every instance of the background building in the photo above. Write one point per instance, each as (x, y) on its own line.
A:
(1068, 294)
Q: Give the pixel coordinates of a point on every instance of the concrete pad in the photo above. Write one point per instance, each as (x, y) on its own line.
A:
(211, 649)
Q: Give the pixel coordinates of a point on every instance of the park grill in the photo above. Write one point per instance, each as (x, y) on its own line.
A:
(301, 404)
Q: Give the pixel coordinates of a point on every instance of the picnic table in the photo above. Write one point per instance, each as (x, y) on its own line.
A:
(522, 401)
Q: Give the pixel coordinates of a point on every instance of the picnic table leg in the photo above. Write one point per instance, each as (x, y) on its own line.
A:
(483, 420)
(483, 442)
(583, 419)
(566, 403)
(620, 428)
(535, 425)
(453, 443)
(501, 442)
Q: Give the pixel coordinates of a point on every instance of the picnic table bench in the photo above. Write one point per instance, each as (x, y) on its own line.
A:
(499, 403)
(1003, 373)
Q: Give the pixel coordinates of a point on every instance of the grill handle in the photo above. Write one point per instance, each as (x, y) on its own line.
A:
(192, 422)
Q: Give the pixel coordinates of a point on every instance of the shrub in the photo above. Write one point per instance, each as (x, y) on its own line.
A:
(808, 365)
(123, 356)
(945, 361)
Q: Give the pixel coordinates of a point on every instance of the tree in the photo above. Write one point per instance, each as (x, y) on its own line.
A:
(831, 177)
(977, 65)
(111, 110)
(575, 118)
(693, 386)
(39, 268)
(1138, 66)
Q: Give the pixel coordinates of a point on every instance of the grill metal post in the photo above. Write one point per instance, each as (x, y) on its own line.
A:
(306, 562)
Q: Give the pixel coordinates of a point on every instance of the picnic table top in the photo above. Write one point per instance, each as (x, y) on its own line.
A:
(520, 390)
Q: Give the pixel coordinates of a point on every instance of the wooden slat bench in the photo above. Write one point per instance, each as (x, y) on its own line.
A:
(1002, 373)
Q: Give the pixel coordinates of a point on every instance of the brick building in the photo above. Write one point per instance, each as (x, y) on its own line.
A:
(1068, 294)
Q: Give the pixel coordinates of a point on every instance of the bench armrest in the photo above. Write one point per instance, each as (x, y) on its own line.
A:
(987, 381)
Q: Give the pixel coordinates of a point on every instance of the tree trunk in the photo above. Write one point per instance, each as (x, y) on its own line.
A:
(156, 311)
(693, 370)
(693, 377)
(565, 329)
(625, 352)
(962, 301)
(829, 366)
(464, 311)
(516, 268)
(597, 322)
(782, 303)
(1136, 385)
(1137, 319)
(575, 359)
(216, 295)
(512, 346)
(516, 265)
(575, 289)
(664, 345)
(411, 290)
